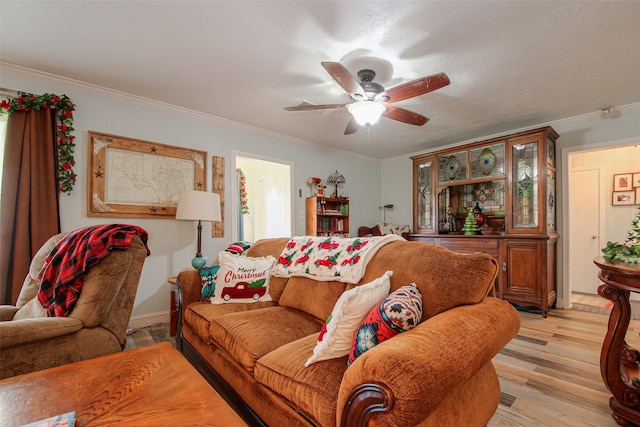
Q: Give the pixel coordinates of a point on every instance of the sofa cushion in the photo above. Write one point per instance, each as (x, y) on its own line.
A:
(31, 284)
(465, 278)
(198, 315)
(389, 228)
(242, 279)
(313, 390)
(337, 333)
(311, 296)
(399, 312)
(247, 336)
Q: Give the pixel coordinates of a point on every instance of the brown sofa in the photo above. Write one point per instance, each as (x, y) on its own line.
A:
(437, 374)
(97, 325)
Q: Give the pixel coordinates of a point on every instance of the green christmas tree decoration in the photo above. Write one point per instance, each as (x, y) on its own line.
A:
(629, 251)
(470, 226)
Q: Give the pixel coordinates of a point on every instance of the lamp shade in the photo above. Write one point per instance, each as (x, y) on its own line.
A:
(336, 178)
(198, 205)
(366, 113)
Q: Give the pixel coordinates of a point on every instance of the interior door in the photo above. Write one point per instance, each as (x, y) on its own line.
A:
(584, 227)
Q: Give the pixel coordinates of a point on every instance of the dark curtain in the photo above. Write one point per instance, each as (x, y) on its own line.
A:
(29, 212)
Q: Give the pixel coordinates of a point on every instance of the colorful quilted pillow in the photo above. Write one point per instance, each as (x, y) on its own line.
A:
(242, 279)
(399, 312)
(208, 275)
(335, 337)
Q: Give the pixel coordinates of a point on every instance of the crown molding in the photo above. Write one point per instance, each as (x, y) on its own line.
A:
(587, 116)
(152, 103)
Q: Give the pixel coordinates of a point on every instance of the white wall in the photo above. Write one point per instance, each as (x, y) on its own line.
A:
(576, 133)
(172, 243)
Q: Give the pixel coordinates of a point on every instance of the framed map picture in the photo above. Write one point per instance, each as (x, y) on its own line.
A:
(140, 179)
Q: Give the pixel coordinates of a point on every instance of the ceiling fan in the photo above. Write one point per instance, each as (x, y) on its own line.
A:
(371, 100)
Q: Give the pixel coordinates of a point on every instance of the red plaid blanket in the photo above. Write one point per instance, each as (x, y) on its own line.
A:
(67, 264)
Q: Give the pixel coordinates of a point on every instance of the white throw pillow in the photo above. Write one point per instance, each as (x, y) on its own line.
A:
(242, 278)
(338, 331)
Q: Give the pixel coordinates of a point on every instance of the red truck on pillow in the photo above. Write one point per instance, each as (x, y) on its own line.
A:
(242, 290)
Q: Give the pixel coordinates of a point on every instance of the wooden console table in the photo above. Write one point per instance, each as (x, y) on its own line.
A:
(619, 363)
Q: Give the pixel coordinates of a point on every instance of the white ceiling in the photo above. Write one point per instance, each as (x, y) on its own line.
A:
(512, 64)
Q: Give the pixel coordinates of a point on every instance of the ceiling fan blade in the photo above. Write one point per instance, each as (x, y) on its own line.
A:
(344, 78)
(309, 107)
(352, 127)
(404, 116)
(415, 88)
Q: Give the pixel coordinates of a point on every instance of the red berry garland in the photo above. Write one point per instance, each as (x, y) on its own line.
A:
(64, 107)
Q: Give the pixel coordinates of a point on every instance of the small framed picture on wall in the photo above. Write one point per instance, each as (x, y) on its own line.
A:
(622, 182)
(636, 180)
(622, 198)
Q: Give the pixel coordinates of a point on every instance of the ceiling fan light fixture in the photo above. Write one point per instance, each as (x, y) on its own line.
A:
(366, 113)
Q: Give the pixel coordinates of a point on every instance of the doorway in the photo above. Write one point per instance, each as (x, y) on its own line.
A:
(262, 203)
(584, 229)
(588, 212)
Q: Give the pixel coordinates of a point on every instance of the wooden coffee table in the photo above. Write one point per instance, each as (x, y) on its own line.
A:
(152, 385)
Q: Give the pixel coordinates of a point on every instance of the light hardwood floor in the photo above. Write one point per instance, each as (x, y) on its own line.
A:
(549, 374)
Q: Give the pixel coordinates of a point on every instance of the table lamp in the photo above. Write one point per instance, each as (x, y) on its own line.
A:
(336, 178)
(198, 206)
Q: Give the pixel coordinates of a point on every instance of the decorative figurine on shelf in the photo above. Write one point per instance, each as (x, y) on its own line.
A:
(313, 182)
(481, 218)
(451, 214)
(470, 227)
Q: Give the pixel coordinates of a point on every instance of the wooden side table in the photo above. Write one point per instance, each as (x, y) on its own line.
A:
(619, 363)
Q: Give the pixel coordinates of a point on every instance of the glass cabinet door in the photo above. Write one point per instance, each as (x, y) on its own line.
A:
(423, 197)
(525, 205)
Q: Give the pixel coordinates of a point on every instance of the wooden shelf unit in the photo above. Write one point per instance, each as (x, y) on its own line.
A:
(513, 177)
(327, 216)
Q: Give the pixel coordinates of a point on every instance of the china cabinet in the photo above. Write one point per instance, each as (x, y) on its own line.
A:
(509, 183)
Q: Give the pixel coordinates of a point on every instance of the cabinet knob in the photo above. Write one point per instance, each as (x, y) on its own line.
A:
(504, 266)
(594, 237)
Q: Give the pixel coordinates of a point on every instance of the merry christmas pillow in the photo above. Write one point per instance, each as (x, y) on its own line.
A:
(242, 279)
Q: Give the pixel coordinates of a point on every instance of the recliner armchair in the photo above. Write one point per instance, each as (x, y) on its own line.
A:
(96, 326)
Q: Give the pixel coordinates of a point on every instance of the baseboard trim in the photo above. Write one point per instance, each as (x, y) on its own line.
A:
(137, 322)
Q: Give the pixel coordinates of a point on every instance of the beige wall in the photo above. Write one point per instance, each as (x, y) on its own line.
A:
(617, 219)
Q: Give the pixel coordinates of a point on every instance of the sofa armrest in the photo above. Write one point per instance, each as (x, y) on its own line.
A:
(189, 290)
(7, 312)
(402, 380)
(19, 332)
(190, 287)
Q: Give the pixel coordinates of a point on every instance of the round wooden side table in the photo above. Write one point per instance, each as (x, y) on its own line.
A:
(619, 363)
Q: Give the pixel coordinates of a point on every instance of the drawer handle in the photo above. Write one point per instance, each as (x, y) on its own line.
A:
(504, 266)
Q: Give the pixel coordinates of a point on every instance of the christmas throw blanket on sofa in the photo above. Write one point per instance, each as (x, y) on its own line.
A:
(329, 258)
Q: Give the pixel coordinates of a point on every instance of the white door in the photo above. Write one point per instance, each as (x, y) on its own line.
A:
(584, 226)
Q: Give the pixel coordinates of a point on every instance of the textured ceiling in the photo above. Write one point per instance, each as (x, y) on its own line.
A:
(512, 64)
